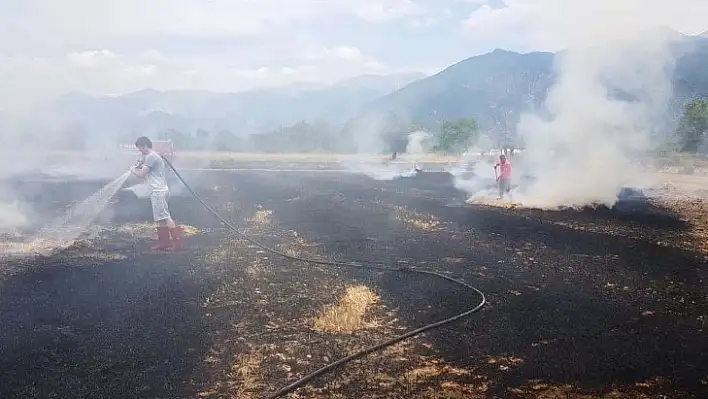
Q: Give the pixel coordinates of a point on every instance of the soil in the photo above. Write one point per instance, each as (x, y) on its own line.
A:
(582, 303)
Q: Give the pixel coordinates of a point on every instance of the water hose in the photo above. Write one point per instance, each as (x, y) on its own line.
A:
(306, 379)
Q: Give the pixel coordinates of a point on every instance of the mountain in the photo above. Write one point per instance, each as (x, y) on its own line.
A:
(380, 82)
(495, 88)
(691, 75)
(484, 87)
(150, 111)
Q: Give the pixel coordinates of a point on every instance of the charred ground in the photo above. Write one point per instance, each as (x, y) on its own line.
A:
(592, 302)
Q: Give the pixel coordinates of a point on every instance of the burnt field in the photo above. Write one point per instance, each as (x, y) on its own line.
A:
(583, 304)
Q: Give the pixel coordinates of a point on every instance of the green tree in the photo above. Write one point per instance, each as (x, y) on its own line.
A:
(295, 138)
(456, 136)
(225, 140)
(485, 143)
(382, 131)
(202, 139)
(181, 140)
(394, 130)
(73, 137)
(694, 124)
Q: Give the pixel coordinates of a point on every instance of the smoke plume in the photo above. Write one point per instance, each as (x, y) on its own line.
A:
(611, 99)
(419, 142)
(36, 148)
(384, 168)
(608, 106)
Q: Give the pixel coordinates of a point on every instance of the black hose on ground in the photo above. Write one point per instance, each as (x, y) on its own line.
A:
(299, 383)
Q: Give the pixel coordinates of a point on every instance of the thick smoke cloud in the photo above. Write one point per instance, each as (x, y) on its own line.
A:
(607, 108)
(36, 149)
(419, 143)
(609, 104)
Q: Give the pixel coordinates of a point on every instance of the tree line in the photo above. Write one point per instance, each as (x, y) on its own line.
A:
(452, 136)
(692, 131)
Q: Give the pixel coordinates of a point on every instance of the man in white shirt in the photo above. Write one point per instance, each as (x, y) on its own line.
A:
(153, 169)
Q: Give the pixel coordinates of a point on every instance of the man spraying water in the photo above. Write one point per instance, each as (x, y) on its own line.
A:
(153, 169)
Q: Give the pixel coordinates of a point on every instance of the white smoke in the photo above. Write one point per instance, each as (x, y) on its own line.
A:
(13, 216)
(385, 168)
(611, 95)
(419, 142)
(475, 176)
(606, 106)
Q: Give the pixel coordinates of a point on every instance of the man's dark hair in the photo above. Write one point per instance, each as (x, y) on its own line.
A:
(143, 142)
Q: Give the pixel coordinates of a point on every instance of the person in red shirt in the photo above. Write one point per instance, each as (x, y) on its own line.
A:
(503, 176)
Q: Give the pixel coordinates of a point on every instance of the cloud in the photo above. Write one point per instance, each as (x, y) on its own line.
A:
(90, 59)
(529, 25)
(84, 22)
(325, 64)
(89, 23)
(345, 53)
(386, 10)
(26, 80)
(49, 47)
(107, 47)
(423, 22)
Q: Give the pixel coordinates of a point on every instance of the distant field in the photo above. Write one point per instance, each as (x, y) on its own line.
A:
(678, 163)
(671, 163)
(302, 157)
(220, 157)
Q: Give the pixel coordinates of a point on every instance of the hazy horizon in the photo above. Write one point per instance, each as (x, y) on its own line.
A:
(233, 46)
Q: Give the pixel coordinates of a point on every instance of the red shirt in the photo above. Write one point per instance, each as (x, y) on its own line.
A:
(505, 168)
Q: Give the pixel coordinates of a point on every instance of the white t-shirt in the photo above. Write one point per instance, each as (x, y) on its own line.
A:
(157, 174)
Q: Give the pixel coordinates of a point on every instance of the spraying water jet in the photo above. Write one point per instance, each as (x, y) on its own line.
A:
(64, 230)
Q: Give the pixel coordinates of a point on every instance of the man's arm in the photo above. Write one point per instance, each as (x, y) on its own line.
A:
(146, 165)
(140, 171)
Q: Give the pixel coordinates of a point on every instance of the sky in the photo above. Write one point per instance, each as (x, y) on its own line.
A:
(111, 47)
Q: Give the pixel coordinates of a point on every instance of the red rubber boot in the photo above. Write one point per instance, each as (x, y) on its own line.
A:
(176, 234)
(163, 238)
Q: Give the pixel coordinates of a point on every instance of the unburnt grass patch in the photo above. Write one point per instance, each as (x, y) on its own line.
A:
(415, 219)
(96, 246)
(147, 229)
(347, 315)
(262, 217)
